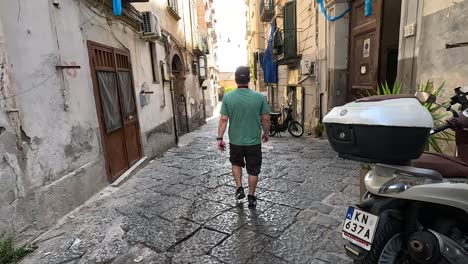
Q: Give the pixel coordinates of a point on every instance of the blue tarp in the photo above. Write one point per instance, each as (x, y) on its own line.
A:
(270, 67)
(117, 7)
(324, 11)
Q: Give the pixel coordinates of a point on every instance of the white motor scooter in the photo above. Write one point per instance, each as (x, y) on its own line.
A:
(416, 206)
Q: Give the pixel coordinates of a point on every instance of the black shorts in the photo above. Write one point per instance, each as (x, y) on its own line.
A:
(247, 155)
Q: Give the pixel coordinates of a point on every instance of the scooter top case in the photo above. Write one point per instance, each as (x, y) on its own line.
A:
(379, 129)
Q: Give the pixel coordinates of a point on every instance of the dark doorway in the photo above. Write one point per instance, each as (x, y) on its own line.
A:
(389, 42)
(179, 97)
(296, 99)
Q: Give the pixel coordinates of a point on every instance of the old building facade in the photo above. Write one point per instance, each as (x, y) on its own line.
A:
(86, 94)
(207, 39)
(330, 52)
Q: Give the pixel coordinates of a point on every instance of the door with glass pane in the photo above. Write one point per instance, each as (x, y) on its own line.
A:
(116, 107)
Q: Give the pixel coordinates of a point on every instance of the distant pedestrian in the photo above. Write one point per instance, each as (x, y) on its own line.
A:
(247, 112)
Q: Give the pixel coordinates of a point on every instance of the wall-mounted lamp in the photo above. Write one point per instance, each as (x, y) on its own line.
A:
(202, 68)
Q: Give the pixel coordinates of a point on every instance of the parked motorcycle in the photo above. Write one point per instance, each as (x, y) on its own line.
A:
(294, 128)
(416, 206)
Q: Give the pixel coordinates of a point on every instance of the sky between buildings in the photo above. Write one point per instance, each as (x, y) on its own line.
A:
(231, 29)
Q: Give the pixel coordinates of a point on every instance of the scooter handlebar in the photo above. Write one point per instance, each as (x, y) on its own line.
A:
(440, 129)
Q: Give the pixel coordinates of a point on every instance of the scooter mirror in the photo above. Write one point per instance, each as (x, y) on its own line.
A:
(425, 97)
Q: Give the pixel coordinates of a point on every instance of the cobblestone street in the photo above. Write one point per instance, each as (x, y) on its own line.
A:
(180, 208)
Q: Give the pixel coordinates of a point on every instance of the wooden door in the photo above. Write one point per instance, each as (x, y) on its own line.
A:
(115, 101)
(364, 49)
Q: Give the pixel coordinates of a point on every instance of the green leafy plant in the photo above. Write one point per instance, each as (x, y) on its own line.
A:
(229, 89)
(9, 253)
(384, 89)
(439, 114)
(318, 130)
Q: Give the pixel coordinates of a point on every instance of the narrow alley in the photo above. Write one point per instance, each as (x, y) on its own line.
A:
(110, 150)
(180, 208)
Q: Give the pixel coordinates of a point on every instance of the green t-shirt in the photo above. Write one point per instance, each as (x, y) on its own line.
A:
(244, 108)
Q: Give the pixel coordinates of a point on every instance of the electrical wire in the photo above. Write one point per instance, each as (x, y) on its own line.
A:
(94, 16)
(19, 11)
(35, 86)
(90, 8)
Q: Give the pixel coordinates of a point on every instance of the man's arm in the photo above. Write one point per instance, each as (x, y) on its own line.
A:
(223, 121)
(266, 127)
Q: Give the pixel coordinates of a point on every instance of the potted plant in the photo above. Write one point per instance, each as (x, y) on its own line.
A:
(318, 130)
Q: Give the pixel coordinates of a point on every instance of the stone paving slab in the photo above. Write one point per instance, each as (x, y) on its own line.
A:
(180, 209)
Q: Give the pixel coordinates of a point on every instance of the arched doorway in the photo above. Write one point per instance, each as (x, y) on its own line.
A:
(179, 97)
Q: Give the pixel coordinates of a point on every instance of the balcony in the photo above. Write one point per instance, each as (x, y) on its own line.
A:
(267, 10)
(201, 46)
(209, 19)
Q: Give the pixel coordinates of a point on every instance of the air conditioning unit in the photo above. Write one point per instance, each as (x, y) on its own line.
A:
(151, 25)
(279, 10)
(308, 67)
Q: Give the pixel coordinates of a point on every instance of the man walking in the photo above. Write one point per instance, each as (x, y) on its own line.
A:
(247, 112)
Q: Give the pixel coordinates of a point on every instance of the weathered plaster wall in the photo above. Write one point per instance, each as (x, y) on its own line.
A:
(10, 154)
(59, 161)
(408, 50)
(58, 164)
(439, 27)
(182, 32)
(307, 47)
(168, 21)
(155, 117)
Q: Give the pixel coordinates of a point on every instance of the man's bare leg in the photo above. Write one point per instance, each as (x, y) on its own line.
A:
(252, 184)
(237, 172)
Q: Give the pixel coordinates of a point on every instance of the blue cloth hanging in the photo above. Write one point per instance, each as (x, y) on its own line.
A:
(368, 8)
(270, 67)
(324, 11)
(117, 7)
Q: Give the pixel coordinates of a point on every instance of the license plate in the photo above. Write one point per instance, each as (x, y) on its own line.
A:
(359, 227)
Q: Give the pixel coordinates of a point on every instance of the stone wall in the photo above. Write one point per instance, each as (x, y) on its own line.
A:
(436, 62)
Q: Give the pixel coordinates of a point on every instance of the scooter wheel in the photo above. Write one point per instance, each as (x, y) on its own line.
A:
(388, 227)
(295, 129)
(272, 133)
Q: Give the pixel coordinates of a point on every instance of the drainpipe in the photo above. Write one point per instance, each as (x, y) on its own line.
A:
(176, 130)
(186, 114)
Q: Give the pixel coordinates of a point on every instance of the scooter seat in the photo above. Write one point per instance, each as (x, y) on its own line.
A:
(275, 114)
(449, 167)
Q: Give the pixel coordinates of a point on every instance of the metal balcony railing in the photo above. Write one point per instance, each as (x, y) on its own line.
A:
(267, 10)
